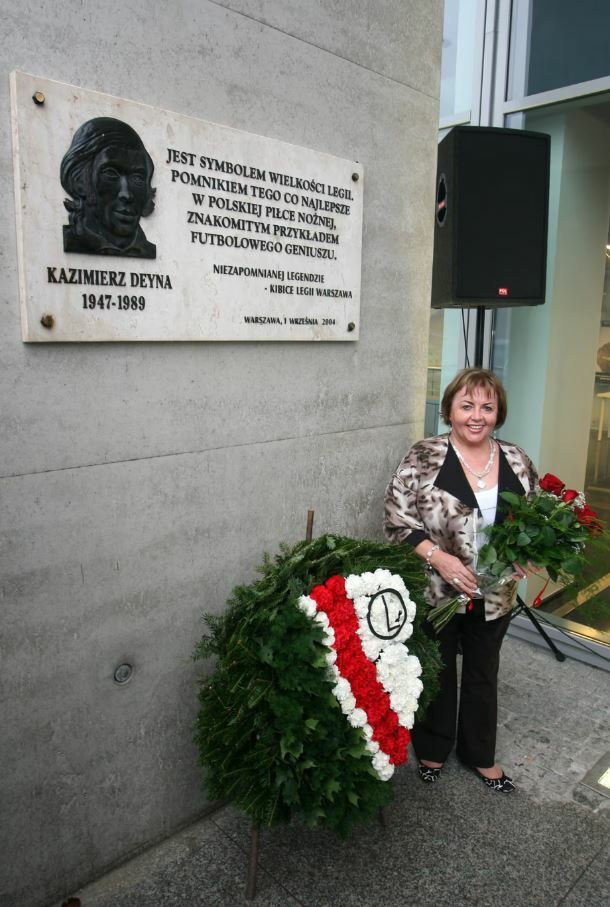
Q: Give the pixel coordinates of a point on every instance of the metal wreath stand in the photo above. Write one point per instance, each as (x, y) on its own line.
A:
(255, 830)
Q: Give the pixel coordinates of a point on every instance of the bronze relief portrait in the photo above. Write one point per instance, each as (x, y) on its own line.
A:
(107, 172)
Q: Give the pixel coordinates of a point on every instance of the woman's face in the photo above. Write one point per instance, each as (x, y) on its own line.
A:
(473, 415)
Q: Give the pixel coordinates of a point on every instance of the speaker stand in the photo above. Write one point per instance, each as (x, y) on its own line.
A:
(522, 608)
(479, 339)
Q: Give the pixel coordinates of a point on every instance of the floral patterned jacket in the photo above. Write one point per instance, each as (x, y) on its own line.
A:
(429, 497)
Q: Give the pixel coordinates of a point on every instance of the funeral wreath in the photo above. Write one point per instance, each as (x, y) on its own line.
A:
(321, 666)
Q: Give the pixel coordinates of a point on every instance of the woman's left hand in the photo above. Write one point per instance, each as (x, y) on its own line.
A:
(519, 572)
(522, 572)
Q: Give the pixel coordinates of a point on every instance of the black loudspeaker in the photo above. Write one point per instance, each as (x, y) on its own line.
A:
(491, 218)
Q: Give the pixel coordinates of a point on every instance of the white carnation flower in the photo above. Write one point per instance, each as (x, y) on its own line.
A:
(395, 654)
(406, 632)
(370, 644)
(349, 703)
(413, 666)
(331, 657)
(321, 618)
(411, 609)
(307, 605)
(329, 637)
(354, 586)
(342, 689)
(380, 760)
(361, 606)
(406, 718)
(372, 746)
(357, 718)
(386, 773)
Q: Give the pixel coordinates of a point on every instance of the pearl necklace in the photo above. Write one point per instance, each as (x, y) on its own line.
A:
(479, 476)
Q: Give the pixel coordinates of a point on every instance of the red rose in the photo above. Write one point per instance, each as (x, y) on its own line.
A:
(551, 483)
(569, 495)
(589, 518)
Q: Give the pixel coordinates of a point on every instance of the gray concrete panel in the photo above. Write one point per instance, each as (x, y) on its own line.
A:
(142, 481)
(371, 35)
(116, 564)
(91, 404)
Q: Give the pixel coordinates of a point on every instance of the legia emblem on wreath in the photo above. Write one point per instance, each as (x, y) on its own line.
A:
(367, 619)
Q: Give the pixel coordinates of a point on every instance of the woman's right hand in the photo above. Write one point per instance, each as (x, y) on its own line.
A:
(455, 572)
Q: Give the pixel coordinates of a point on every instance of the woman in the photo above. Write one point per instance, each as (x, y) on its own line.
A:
(440, 498)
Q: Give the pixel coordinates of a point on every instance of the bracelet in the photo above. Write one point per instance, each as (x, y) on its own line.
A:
(429, 553)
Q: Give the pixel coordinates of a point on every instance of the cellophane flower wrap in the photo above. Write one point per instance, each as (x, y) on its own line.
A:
(547, 529)
(307, 711)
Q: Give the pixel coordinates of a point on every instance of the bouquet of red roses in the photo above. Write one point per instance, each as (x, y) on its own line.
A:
(547, 529)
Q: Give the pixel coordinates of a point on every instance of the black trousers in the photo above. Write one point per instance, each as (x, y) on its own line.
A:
(434, 735)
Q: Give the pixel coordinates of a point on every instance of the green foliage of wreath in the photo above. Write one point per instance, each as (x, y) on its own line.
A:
(271, 736)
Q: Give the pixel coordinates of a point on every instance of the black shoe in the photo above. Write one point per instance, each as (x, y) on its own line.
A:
(503, 784)
(428, 774)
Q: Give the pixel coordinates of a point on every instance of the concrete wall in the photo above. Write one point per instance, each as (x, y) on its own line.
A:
(140, 482)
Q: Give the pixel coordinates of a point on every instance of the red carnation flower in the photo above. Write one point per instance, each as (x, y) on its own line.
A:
(350, 655)
(365, 672)
(336, 585)
(322, 597)
(387, 744)
(343, 635)
(343, 612)
(376, 711)
(403, 738)
(388, 723)
(552, 484)
(399, 746)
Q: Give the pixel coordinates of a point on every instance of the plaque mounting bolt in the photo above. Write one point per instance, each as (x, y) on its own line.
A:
(38, 97)
(351, 327)
(123, 673)
(47, 321)
(355, 177)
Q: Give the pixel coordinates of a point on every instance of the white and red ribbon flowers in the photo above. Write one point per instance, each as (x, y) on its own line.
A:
(366, 619)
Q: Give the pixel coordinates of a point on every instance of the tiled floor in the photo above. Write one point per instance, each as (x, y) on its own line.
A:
(451, 844)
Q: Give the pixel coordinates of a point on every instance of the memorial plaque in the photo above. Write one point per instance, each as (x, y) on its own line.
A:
(134, 223)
